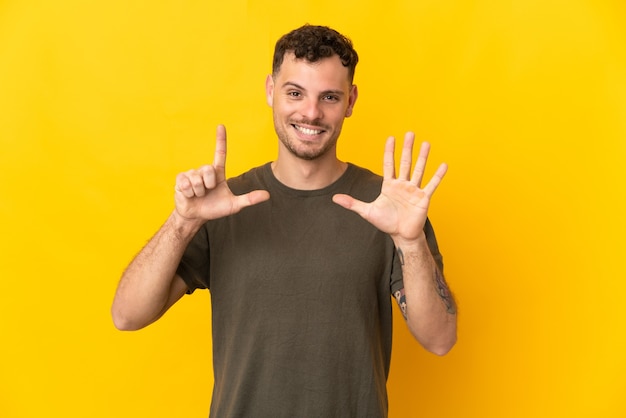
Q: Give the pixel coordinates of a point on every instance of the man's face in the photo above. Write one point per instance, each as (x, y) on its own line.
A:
(310, 101)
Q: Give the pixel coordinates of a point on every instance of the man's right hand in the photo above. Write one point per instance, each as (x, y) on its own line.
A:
(203, 194)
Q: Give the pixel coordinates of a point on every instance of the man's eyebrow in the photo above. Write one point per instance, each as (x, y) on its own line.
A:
(335, 92)
(292, 84)
(324, 93)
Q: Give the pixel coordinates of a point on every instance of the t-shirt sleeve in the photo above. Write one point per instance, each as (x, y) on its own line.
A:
(397, 282)
(432, 244)
(194, 265)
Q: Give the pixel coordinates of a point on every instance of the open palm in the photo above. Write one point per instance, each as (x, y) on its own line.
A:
(402, 206)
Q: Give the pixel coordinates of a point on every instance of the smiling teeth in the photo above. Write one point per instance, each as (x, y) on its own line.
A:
(308, 131)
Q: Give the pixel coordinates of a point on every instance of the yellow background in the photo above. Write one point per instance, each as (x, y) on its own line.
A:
(103, 103)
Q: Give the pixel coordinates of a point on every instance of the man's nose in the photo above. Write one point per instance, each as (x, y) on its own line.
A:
(311, 109)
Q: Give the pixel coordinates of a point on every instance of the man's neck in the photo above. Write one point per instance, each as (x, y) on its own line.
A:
(300, 174)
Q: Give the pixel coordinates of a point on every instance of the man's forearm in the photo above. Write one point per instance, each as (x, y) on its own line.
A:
(146, 287)
(430, 307)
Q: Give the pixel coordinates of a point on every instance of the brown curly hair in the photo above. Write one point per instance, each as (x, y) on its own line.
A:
(314, 43)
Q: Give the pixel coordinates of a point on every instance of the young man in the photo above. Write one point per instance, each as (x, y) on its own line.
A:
(301, 254)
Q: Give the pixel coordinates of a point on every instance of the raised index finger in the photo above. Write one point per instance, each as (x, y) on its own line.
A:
(219, 160)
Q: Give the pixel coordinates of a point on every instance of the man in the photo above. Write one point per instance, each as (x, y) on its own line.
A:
(301, 255)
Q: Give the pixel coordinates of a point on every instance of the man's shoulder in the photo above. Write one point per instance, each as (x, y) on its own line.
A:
(364, 174)
(253, 179)
(363, 184)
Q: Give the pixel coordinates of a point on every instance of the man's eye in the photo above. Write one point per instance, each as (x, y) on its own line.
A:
(294, 94)
(331, 98)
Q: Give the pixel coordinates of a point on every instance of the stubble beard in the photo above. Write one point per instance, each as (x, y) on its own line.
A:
(304, 152)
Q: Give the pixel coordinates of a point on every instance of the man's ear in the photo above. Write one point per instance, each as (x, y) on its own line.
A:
(354, 94)
(269, 90)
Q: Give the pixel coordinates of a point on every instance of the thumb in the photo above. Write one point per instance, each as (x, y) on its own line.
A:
(251, 198)
(351, 203)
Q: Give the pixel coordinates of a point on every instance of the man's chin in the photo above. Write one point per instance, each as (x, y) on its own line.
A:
(308, 153)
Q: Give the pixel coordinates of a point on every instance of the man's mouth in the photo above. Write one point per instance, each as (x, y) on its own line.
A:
(307, 131)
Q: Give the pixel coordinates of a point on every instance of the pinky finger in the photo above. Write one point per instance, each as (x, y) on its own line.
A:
(432, 185)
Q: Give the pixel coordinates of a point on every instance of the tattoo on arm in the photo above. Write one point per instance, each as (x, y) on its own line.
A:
(440, 284)
(401, 299)
(444, 292)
